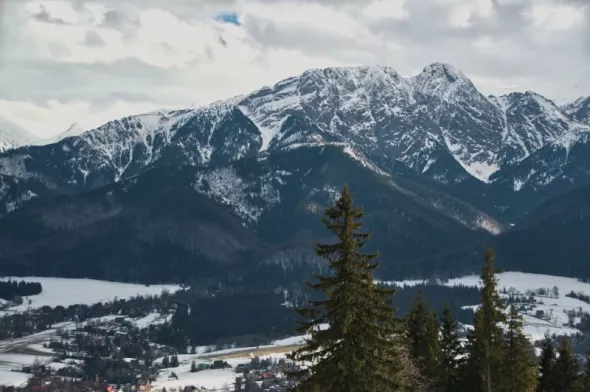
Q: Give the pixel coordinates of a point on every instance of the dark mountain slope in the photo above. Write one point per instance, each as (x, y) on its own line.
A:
(239, 223)
(552, 239)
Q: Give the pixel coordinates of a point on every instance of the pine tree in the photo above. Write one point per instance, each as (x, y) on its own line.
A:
(422, 330)
(451, 353)
(485, 341)
(166, 362)
(585, 378)
(566, 371)
(358, 351)
(547, 366)
(520, 370)
(193, 366)
(416, 329)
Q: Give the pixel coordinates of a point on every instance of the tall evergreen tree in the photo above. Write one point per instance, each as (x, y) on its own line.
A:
(416, 329)
(547, 366)
(566, 371)
(520, 368)
(432, 360)
(585, 378)
(422, 330)
(486, 340)
(451, 353)
(358, 351)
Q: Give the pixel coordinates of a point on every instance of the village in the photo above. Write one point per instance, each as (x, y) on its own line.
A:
(134, 344)
(117, 353)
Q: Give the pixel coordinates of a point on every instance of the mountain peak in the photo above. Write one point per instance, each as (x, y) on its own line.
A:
(579, 110)
(441, 69)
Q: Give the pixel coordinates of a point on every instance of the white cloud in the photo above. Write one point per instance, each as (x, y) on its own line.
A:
(54, 117)
(462, 12)
(555, 17)
(380, 9)
(90, 61)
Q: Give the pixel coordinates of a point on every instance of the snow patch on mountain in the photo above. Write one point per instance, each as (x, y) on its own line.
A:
(570, 138)
(19, 201)
(364, 161)
(14, 166)
(488, 225)
(579, 110)
(247, 199)
(481, 170)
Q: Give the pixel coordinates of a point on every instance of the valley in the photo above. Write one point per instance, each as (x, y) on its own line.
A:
(63, 348)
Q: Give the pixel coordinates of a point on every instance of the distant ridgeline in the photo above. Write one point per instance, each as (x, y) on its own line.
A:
(11, 289)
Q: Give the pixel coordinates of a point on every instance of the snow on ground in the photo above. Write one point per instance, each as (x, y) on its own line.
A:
(26, 341)
(210, 379)
(536, 328)
(295, 340)
(66, 291)
(39, 348)
(554, 308)
(8, 378)
(151, 319)
(402, 283)
(9, 362)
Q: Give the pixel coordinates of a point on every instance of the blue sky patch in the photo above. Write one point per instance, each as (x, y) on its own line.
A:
(228, 17)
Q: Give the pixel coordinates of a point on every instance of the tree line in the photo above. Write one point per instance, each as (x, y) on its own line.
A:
(11, 289)
(359, 343)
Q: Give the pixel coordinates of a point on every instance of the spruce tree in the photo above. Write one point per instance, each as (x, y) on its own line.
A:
(174, 361)
(193, 366)
(422, 331)
(566, 371)
(451, 353)
(416, 329)
(585, 378)
(358, 351)
(432, 360)
(546, 366)
(486, 340)
(520, 369)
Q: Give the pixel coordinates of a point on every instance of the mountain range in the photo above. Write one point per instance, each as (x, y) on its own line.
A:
(233, 191)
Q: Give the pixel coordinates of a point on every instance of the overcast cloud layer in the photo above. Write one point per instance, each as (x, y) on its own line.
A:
(93, 61)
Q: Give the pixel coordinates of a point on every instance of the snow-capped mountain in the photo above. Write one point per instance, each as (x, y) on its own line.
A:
(579, 110)
(560, 166)
(436, 123)
(439, 163)
(10, 139)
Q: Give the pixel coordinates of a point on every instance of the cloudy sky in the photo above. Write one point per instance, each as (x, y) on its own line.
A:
(87, 62)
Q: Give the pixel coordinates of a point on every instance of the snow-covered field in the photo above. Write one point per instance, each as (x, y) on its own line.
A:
(554, 308)
(521, 282)
(9, 362)
(66, 291)
(210, 379)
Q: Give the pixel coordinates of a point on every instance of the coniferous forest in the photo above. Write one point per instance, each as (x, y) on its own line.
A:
(358, 341)
(11, 289)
